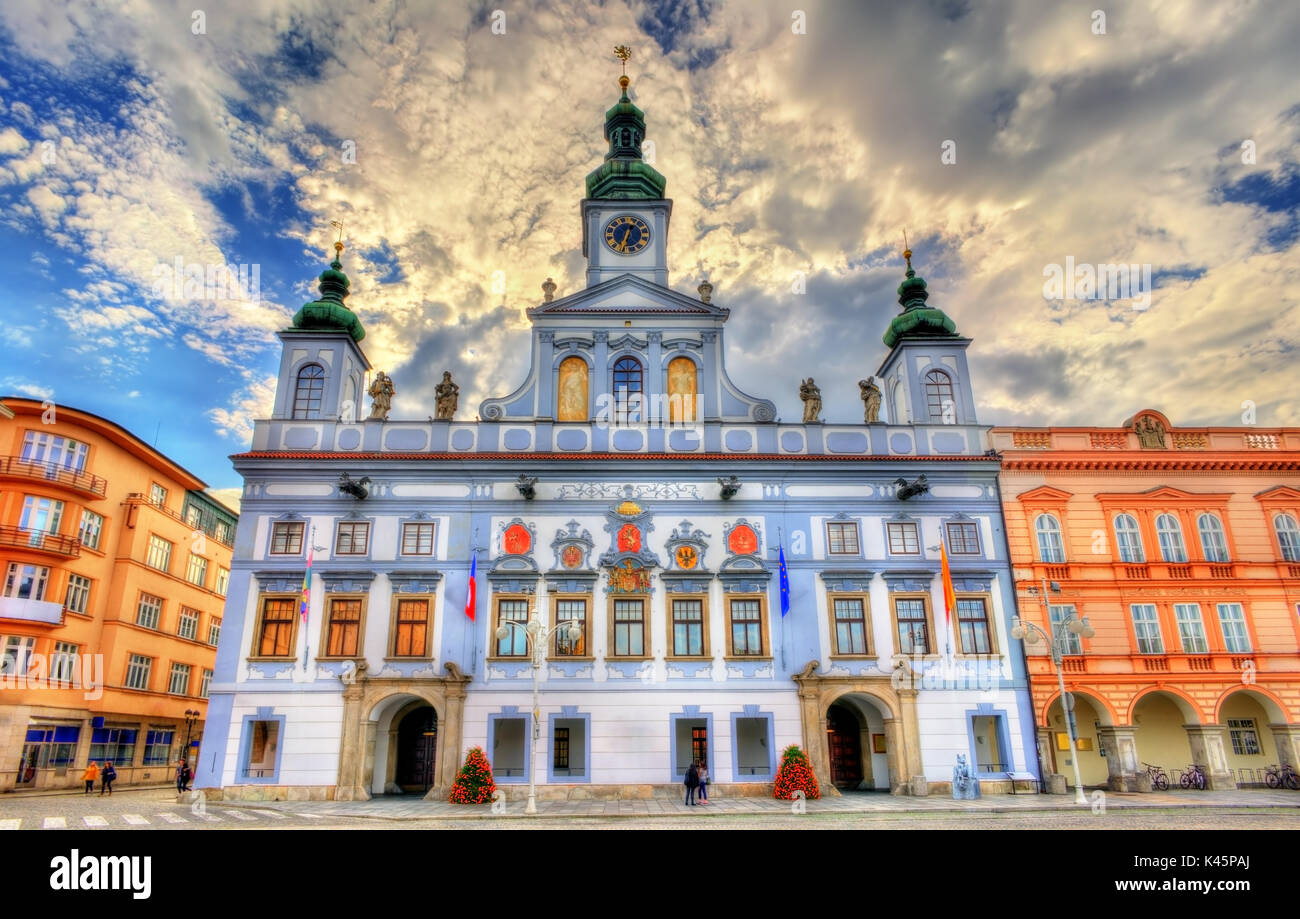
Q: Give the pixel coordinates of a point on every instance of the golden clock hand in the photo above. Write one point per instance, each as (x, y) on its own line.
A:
(622, 243)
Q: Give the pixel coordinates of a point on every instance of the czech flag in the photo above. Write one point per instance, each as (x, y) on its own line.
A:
(470, 590)
(785, 583)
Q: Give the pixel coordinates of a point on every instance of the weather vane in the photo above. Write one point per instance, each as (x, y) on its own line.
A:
(623, 52)
(339, 225)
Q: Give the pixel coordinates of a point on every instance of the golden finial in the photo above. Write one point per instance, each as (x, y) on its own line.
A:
(907, 251)
(338, 224)
(623, 52)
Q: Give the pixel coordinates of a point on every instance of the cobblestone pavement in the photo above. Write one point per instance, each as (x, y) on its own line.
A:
(411, 808)
(158, 809)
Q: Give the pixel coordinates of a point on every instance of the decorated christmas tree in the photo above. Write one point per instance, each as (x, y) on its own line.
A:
(795, 775)
(473, 783)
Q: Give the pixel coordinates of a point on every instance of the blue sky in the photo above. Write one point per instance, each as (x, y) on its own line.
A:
(133, 139)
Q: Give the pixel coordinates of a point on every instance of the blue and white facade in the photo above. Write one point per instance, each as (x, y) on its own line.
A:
(627, 421)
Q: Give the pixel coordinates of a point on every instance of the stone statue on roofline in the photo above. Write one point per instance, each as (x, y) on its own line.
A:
(869, 392)
(811, 395)
(447, 394)
(381, 390)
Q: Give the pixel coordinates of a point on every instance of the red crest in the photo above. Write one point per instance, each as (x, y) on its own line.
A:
(742, 541)
(517, 539)
(629, 538)
(571, 557)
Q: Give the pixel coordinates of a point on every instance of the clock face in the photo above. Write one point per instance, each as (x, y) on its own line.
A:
(627, 235)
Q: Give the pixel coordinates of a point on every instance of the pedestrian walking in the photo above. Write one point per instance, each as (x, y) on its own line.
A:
(692, 782)
(106, 779)
(704, 784)
(182, 776)
(90, 775)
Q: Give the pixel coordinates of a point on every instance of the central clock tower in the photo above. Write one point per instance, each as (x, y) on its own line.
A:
(625, 214)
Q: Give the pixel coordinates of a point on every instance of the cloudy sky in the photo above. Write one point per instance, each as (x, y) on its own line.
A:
(797, 139)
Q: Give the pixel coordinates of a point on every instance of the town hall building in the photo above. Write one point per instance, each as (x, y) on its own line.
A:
(625, 512)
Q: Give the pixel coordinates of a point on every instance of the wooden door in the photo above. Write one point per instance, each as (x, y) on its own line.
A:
(845, 748)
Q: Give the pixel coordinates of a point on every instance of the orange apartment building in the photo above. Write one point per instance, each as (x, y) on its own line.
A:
(1181, 546)
(114, 565)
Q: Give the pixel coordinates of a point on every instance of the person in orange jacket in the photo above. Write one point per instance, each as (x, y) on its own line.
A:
(90, 775)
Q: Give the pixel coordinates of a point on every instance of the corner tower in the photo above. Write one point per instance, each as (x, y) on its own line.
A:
(926, 380)
(625, 214)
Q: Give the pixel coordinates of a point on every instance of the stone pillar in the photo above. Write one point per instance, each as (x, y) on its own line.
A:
(1209, 751)
(451, 723)
(864, 743)
(1119, 742)
(910, 747)
(350, 787)
(1287, 738)
(813, 722)
(899, 780)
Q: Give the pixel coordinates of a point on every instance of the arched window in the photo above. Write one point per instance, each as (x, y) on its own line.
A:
(683, 384)
(309, 392)
(1288, 537)
(1213, 543)
(628, 389)
(1171, 538)
(1050, 547)
(571, 398)
(1128, 539)
(938, 398)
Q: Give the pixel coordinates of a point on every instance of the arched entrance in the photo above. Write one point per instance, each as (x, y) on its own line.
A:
(1162, 719)
(856, 744)
(1090, 722)
(375, 721)
(417, 748)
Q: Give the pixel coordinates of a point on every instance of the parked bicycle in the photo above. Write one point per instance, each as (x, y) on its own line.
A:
(1159, 780)
(1282, 777)
(1193, 777)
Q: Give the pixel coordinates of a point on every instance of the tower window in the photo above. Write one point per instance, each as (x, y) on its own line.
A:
(938, 398)
(628, 389)
(309, 392)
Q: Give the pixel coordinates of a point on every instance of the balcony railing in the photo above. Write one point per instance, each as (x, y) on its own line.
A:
(40, 541)
(15, 467)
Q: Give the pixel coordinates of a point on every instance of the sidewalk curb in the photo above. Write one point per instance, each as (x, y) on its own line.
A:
(478, 812)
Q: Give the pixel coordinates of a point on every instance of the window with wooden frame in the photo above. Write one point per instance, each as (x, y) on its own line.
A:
(570, 609)
(912, 624)
(515, 643)
(975, 633)
(286, 537)
(689, 629)
(561, 745)
(417, 539)
(747, 635)
(410, 626)
(850, 624)
(627, 628)
(963, 537)
(842, 538)
(277, 620)
(352, 537)
(904, 538)
(343, 626)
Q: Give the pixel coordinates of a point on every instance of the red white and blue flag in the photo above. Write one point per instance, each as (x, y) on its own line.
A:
(470, 590)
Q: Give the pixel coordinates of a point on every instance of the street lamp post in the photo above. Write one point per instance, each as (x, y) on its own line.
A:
(192, 717)
(536, 636)
(1057, 641)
